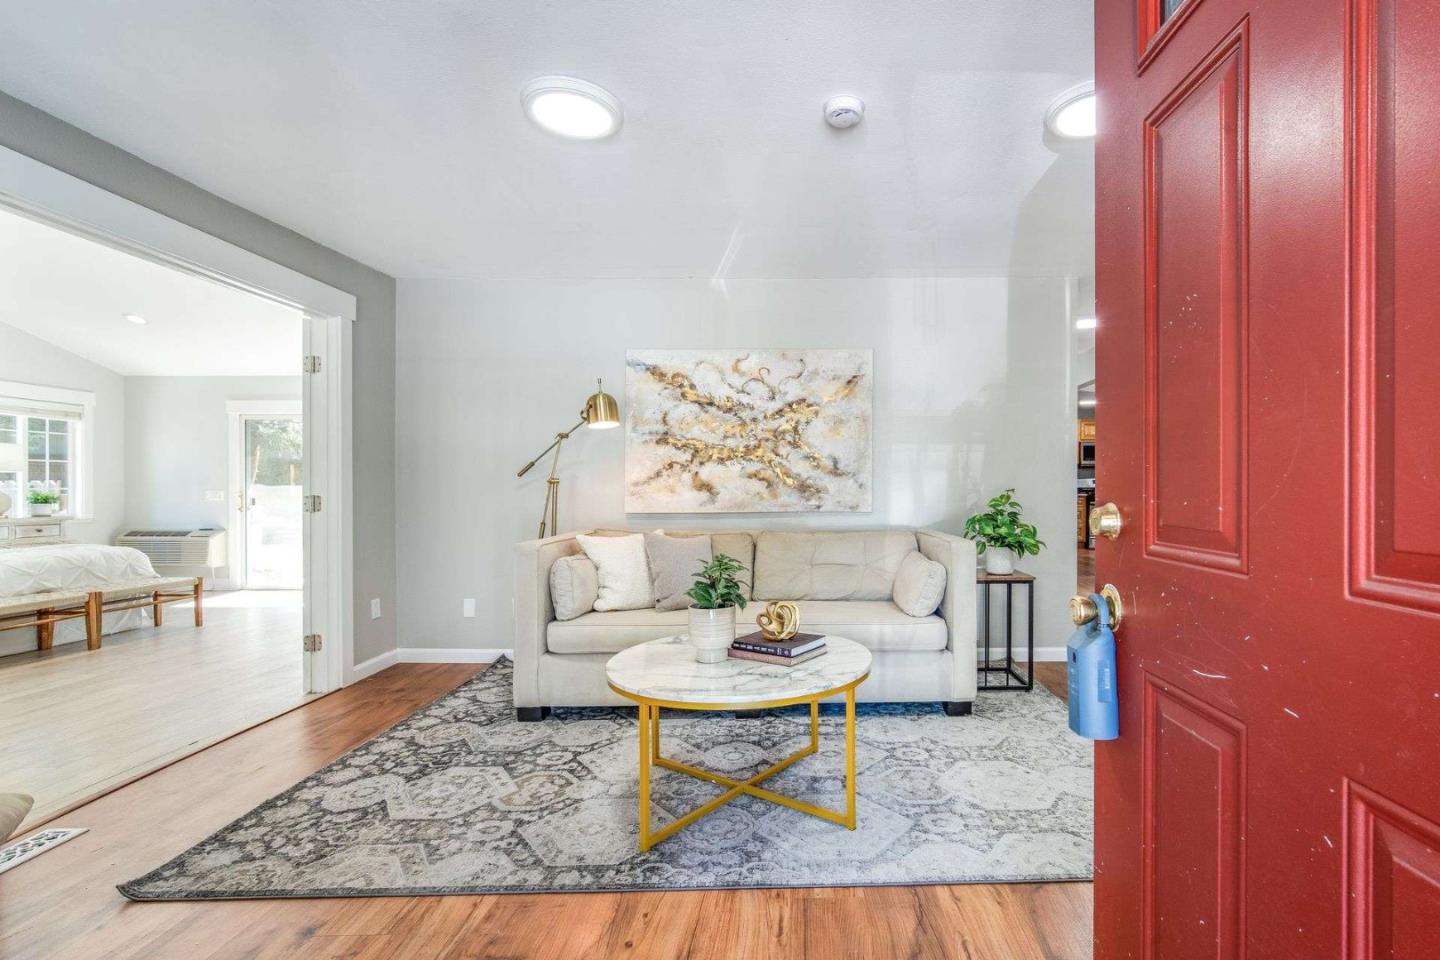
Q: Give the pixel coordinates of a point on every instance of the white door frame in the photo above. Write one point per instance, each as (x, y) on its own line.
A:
(236, 413)
(41, 192)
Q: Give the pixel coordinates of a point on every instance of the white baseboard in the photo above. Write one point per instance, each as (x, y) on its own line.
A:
(374, 665)
(451, 655)
(1042, 654)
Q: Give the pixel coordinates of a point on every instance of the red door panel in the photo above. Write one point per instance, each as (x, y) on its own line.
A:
(1268, 222)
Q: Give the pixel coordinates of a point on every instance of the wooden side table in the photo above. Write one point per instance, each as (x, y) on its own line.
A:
(988, 679)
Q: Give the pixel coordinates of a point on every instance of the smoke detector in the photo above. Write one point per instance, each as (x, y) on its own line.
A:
(844, 111)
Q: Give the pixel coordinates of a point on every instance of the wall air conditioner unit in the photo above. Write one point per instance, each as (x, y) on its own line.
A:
(172, 548)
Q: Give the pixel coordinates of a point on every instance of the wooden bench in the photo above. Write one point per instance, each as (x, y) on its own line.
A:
(43, 610)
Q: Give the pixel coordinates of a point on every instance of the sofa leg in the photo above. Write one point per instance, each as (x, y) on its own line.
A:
(531, 714)
(957, 708)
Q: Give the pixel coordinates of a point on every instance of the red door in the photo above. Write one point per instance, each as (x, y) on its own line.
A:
(1268, 277)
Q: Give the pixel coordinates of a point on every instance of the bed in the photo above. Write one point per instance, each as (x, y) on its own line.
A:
(68, 567)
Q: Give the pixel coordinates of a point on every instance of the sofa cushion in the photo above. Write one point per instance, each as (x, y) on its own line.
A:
(574, 586)
(674, 562)
(831, 565)
(877, 624)
(622, 571)
(920, 585)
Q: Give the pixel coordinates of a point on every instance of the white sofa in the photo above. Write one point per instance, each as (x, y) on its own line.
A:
(842, 581)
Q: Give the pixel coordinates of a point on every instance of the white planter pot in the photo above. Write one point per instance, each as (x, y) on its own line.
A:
(711, 633)
(999, 561)
(42, 509)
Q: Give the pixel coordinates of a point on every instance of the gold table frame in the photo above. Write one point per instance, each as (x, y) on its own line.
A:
(650, 757)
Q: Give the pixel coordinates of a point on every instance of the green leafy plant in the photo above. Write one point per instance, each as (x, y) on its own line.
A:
(42, 496)
(1001, 526)
(716, 585)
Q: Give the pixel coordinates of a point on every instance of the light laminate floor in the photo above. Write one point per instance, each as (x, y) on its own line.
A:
(63, 905)
(76, 722)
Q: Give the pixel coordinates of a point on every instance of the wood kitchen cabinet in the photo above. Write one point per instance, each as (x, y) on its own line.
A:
(1085, 429)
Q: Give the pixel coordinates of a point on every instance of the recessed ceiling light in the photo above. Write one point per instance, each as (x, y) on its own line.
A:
(1072, 114)
(1085, 323)
(572, 108)
(134, 318)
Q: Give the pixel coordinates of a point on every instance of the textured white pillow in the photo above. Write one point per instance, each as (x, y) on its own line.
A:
(574, 586)
(919, 585)
(623, 571)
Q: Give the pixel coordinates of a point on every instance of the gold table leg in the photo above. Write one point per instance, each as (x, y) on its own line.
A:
(650, 757)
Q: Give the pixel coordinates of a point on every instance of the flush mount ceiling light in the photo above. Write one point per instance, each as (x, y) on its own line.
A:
(1072, 114)
(134, 318)
(572, 108)
(1085, 323)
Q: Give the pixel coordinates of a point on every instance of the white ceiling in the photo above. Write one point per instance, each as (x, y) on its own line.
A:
(72, 291)
(393, 131)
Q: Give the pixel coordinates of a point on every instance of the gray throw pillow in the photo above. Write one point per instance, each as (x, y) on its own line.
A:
(574, 586)
(674, 561)
(919, 585)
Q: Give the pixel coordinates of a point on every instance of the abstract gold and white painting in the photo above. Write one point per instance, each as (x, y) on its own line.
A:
(747, 431)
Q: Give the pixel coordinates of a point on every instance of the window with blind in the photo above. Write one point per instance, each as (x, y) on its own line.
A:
(41, 446)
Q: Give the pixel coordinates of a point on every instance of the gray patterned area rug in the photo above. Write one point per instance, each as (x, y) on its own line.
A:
(461, 798)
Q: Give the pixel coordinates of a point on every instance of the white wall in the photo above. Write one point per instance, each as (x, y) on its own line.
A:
(28, 359)
(178, 435)
(973, 394)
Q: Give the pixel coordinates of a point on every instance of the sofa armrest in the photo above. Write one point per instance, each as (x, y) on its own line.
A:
(534, 609)
(958, 556)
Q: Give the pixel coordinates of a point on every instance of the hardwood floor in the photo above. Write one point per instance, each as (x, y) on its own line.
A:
(63, 905)
(77, 722)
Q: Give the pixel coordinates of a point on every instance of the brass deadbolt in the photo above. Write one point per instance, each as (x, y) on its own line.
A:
(1105, 520)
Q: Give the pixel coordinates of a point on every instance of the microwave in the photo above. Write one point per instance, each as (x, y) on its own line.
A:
(1086, 454)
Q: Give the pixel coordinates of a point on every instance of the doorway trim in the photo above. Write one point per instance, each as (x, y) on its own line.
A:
(236, 413)
(33, 189)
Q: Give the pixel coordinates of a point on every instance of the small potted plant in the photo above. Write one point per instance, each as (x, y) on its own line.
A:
(1001, 535)
(716, 594)
(43, 503)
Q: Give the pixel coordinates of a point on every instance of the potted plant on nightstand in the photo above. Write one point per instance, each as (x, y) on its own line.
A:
(716, 594)
(1000, 534)
(43, 503)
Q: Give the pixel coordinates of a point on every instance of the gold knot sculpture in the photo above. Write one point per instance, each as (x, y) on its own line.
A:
(780, 621)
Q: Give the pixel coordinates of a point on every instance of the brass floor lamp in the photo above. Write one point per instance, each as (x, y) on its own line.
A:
(601, 413)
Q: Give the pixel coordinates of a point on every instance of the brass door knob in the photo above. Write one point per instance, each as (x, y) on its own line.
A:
(1106, 521)
(1083, 609)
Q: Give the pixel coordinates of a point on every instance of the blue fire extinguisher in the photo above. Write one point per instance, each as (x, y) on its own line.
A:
(1090, 665)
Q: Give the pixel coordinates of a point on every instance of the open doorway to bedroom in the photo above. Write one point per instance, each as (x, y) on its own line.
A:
(152, 471)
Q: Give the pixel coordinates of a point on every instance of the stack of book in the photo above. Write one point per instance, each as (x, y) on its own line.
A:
(787, 653)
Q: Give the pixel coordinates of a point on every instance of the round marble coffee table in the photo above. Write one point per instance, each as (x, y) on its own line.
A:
(664, 673)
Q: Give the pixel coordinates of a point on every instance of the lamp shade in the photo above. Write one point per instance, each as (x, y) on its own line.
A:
(601, 410)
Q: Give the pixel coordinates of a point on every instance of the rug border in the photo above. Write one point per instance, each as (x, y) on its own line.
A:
(129, 891)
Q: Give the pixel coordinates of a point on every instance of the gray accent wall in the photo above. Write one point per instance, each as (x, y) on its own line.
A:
(39, 135)
(972, 395)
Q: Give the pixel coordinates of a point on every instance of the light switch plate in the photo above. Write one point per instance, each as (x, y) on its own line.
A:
(375, 609)
(214, 496)
(469, 607)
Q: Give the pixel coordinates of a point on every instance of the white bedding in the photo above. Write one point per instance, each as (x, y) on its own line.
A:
(69, 566)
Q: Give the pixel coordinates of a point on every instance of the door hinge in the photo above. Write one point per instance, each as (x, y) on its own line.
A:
(312, 503)
(312, 364)
(312, 642)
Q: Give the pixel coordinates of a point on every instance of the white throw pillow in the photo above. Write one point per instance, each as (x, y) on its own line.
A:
(623, 571)
(574, 586)
(919, 585)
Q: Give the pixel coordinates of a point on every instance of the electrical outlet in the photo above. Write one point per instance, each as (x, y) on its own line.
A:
(469, 607)
(375, 609)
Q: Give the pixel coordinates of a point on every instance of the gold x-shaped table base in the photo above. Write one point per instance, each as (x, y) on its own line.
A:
(650, 757)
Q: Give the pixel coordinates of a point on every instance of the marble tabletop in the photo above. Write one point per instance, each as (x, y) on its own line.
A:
(666, 669)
